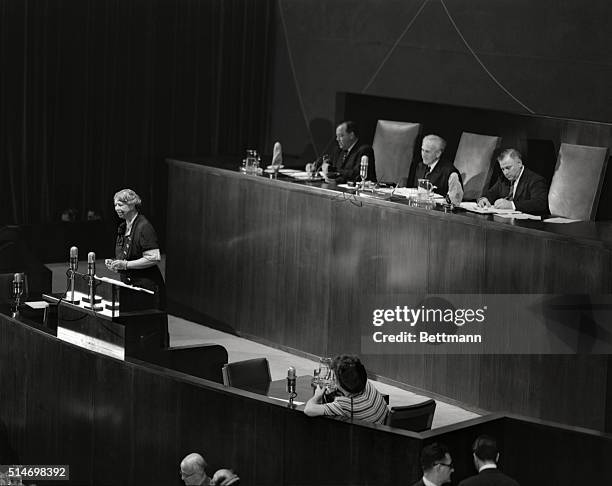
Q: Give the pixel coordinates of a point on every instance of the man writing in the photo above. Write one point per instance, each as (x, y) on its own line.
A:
(520, 188)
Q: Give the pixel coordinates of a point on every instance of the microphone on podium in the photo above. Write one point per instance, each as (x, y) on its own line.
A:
(363, 167)
(291, 380)
(91, 264)
(17, 285)
(74, 258)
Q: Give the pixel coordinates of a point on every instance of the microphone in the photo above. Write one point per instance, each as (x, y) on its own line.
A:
(291, 381)
(74, 258)
(17, 285)
(363, 167)
(91, 264)
(277, 154)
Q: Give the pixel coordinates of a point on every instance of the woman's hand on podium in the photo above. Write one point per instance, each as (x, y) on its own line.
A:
(116, 265)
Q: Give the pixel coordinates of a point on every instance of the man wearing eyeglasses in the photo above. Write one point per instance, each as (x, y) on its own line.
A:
(437, 465)
(486, 456)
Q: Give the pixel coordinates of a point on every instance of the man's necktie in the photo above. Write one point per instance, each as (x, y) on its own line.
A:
(510, 195)
(344, 155)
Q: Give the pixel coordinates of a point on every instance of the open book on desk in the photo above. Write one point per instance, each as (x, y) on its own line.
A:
(119, 283)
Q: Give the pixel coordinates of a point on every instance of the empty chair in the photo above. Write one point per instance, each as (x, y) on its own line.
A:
(394, 149)
(416, 418)
(576, 184)
(248, 374)
(474, 162)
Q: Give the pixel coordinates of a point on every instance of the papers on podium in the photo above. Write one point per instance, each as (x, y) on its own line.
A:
(119, 283)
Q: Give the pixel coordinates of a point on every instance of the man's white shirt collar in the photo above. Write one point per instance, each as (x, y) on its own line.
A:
(427, 482)
(431, 167)
(487, 466)
(348, 151)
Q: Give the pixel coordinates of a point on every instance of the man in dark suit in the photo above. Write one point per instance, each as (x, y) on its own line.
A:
(437, 170)
(520, 188)
(346, 160)
(486, 455)
(437, 465)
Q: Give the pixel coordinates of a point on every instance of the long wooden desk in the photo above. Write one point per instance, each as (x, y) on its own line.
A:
(290, 264)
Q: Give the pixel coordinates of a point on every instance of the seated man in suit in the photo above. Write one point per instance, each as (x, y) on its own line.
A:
(358, 398)
(520, 188)
(437, 170)
(437, 465)
(485, 456)
(346, 159)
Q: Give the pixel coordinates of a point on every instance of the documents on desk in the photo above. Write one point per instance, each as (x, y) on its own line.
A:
(299, 175)
(504, 213)
(472, 206)
(520, 215)
(561, 220)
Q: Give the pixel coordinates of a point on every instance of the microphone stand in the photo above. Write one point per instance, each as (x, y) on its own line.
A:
(92, 291)
(291, 384)
(17, 293)
(70, 273)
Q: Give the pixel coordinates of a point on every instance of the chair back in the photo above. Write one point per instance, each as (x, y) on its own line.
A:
(576, 184)
(394, 149)
(416, 418)
(250, 373)
(474, 162)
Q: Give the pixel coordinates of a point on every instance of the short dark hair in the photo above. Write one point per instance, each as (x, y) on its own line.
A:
(485, 448)
(350, 373)
(351, 127)
(510, 152)
(432, 454)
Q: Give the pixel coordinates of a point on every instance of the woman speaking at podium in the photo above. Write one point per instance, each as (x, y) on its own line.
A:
(137, 255)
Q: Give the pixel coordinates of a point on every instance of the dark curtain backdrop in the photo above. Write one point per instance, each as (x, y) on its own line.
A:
(94, 94)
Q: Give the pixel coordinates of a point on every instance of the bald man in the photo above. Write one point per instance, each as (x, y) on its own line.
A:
(193, 473)
(193, 470)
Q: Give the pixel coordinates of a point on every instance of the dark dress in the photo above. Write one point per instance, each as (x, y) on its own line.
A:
(132, 247)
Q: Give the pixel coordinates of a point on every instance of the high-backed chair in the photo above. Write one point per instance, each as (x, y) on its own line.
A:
(416, 418)
(394, 149)
(473, 161)
(250, 373)
(576, 184)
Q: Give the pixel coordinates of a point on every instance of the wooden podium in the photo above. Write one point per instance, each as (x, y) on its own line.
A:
(139, 334)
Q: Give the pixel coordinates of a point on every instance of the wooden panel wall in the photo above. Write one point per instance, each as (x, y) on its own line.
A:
(293, 265)
(117, 422)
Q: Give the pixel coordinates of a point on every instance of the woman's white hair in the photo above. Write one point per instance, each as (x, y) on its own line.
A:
(128, 196)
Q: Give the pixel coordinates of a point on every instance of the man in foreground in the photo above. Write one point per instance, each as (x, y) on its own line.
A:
(486, 456)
